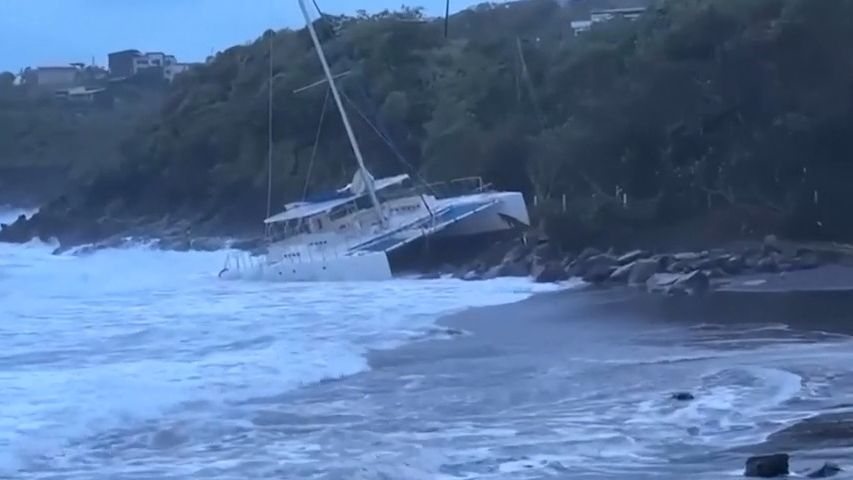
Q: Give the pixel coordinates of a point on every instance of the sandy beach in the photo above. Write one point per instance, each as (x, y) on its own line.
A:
(580, 380)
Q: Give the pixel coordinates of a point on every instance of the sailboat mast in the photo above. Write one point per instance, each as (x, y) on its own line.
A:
(352, 140)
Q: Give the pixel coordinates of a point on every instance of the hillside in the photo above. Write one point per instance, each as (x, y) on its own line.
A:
(47, 145)
(732, 113)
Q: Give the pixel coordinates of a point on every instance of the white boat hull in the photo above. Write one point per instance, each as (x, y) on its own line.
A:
(364, 267)
(510, 204)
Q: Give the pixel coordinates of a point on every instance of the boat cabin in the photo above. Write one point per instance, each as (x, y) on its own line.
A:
(343, 211)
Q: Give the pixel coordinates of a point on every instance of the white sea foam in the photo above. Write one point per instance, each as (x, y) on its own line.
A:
(99, 341)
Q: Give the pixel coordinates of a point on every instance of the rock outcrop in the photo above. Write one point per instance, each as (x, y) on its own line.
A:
(767, 466)
(828, 469)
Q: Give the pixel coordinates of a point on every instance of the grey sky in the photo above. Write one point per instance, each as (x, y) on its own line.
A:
(55, 32)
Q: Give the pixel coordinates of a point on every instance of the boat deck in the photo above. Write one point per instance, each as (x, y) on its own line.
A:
(423, 227)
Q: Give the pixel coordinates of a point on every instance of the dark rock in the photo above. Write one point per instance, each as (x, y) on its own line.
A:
(771, 245)
(589, 253)
(597, 269)
(622, 273)
(472, 275)
(693, 431)
(680, 266)
(693, 283)
(768, 264)
(636, 272)
(493, 272)
(516, 253)
(661, 282)
(516, 269)
(21, 231)
(733, 264)
(176, 244)
(750, 261)
(712, 262)
(683, 396)
(805, 260)
(545, 252)
(549, 272)
(716, 273)
(828, 469)
(575, 268)
(689, 256)
(642, 270)
(631, 257)
(767, 466)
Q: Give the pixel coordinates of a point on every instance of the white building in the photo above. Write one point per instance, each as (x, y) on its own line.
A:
(598, 16)
(170, 71)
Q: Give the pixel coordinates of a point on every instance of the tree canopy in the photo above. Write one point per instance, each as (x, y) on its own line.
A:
(699, 106)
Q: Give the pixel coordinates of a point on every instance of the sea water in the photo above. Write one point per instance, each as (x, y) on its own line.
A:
(135, 363)
(116, 338)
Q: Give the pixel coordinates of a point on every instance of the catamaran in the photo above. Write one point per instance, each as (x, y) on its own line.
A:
(350, 233)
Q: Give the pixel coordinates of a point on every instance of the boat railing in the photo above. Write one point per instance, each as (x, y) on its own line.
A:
(442, 189)
(240, 262)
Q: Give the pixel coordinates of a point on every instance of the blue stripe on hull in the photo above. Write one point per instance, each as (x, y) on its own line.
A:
(423, 227)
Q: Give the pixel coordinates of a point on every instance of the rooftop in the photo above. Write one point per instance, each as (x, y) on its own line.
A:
(618, 11)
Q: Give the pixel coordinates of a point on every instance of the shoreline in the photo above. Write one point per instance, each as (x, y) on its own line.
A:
(802, 307)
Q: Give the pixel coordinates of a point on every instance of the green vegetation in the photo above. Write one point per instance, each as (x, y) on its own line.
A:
(739, 112)
(41, 136)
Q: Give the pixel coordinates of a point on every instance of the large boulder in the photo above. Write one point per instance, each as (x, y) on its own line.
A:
(642, 270)
(693, 283)
(767, 466)
(689, 256)
(472, 275)
(516, 269)
(20, 231)
(549, 272)
(517, 253)
(636, 272)
(589, 252)
(828, 469)
(493, 272)
(768, 264)
(733, 264)
(682, 396)
(771, 244)
(805, 260)
(621, 273)
(599, 268)
(544, 252)
(632, 257)
(681, 266)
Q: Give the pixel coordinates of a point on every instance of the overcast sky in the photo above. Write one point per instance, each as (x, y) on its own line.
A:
(56, 32)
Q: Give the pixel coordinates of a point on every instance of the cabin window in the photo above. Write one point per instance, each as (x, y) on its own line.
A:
(339, 212)
(363, 202)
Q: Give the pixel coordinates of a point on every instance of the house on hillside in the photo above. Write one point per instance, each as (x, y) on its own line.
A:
(52, 77)
(121, 64)
(129, 63)
(85, 96)
(604, 15)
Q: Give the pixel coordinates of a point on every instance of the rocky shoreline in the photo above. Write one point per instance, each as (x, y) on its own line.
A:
(162, 233)
(531, 255)
(670, 273)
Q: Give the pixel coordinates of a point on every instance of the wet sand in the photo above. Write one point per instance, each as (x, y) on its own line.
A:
(816, 305)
